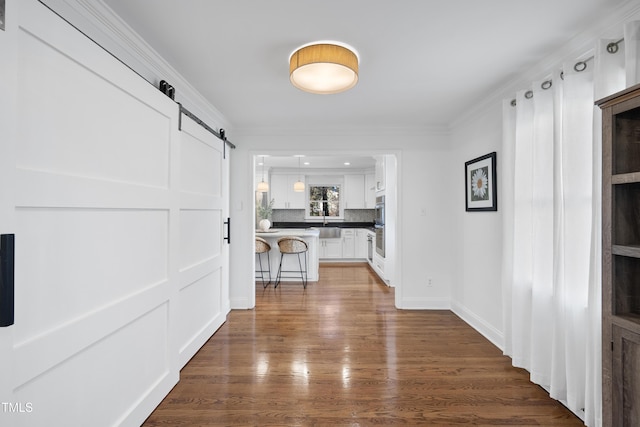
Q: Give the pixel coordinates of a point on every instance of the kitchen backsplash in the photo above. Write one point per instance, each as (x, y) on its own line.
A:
(287, 215)
(297, 215)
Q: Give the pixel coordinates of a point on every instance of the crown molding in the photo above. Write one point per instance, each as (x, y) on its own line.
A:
(440, 131)
(607, 27)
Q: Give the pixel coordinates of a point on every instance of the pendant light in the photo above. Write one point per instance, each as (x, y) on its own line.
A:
(263, 187)
(324, 67)
(298, 187)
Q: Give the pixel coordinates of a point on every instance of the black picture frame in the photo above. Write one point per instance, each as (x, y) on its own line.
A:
(480, 184)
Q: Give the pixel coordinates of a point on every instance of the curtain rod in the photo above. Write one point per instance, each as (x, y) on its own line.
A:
(579, 67)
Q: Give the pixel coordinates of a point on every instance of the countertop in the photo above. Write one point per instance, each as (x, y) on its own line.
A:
(278, 232)
(340, 224)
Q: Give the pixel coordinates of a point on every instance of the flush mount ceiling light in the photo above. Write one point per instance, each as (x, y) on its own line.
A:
(324, 67)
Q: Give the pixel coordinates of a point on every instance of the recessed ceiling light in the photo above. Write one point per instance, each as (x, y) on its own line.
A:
(347, 163)
(306, 163)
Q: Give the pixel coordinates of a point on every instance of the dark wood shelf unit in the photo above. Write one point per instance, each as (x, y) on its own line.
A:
(621, 258)
(627, 321)
(625, 215)
(625, 178)
(626, 250)
(626, 276)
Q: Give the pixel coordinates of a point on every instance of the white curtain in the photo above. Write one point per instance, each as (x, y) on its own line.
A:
(551, 168)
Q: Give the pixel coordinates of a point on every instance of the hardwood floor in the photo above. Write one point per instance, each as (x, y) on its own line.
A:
(341, 354)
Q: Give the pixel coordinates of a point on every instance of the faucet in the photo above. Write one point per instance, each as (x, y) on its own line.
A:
(324, 219)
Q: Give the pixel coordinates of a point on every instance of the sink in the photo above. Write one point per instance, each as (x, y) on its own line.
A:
(329, 232)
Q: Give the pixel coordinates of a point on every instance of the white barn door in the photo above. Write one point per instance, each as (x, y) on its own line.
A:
(118, 216)
(203, 298)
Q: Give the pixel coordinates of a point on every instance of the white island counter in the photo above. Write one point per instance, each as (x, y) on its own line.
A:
(290, 262)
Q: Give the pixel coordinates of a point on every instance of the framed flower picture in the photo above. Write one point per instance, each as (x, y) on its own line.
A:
(480, 183)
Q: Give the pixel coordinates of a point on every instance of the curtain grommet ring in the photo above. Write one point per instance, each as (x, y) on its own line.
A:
(528, 94)
(546, 84)
(612, 47)
(580, 66)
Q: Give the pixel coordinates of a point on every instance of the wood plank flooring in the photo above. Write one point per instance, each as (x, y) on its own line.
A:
(341, 354)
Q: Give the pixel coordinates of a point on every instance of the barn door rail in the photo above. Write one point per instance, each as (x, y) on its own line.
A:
(163, 86)
(220, 135)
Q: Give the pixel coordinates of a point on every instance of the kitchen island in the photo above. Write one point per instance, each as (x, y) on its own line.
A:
(290, 262)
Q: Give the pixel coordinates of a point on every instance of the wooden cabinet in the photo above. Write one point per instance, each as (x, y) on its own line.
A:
(348, 243)
(361, 248)
(621, 258)
(331, 248)
(378, 265)
(625, 377)
(351, 245)
(370, 191)
(282, 192)
(354, 243)
(354, 194)
(380, 174)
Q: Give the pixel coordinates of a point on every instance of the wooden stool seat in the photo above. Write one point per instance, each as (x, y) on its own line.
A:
(292, 245)
(262, 246)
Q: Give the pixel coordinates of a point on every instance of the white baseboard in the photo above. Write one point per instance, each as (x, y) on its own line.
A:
(426, 304)
(488, 331)
(240, 304)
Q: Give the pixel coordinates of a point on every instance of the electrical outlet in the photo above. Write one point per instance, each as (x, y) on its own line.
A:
(429, 282)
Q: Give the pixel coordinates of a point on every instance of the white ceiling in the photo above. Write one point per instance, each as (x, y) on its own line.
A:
(422, 62)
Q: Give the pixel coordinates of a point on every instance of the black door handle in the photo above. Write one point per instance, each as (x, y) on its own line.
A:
(228, 224)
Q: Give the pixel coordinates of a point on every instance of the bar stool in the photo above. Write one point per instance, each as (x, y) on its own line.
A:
(263, 246)
(290, 245)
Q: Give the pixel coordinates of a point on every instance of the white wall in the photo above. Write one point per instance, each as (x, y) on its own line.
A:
(425, 243)
(427, 197)
(477, 293)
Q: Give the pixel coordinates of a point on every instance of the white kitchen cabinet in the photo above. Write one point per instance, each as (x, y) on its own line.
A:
(348, 243)
(352, 245)
(380, 172)
(361, 248)
(378, 265)
(354, 192)
(282, 192)
(331, 248)
(370, 191)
